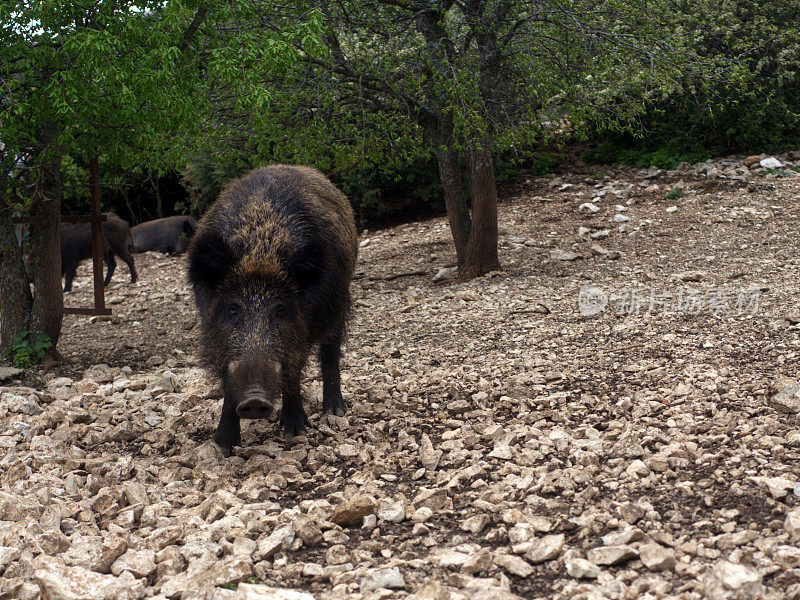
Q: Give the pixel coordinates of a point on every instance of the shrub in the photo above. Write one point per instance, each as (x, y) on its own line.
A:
(25, 353)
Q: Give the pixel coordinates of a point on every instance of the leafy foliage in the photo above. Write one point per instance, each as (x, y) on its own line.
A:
(749, 101)
(25, 352)
(634, 153)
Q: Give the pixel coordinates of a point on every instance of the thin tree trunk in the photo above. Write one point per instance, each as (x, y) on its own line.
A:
(451, 177)
(47, 309)
(159, 206)
(481, 255)
(15, 293)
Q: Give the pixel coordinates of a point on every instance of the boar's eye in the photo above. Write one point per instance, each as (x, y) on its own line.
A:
(277, 312)
(234, 312)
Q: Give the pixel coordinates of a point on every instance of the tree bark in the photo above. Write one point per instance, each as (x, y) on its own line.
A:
(15, 293)
(451, 178)
(48, 299)
(481, 255)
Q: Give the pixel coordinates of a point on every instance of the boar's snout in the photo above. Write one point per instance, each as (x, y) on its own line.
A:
(254, 384)
(254, 404)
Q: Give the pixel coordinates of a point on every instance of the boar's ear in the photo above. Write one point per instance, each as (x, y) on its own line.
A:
(307, 265)
(188, 228)
(210, 259)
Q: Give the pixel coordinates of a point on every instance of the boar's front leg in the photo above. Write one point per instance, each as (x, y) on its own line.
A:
(329, 354)
(228, 431)
(293, 417)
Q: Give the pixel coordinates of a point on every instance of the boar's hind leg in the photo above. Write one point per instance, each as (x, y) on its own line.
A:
(126, 256)
(112, 264)
(293, 417)
(69, 269)
(228, 431)
(329, 354)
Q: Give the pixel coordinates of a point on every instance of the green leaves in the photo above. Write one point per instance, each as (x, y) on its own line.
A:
(136, 80)
(25, 352)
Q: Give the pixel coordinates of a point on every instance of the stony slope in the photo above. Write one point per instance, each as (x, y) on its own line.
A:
(499, 442)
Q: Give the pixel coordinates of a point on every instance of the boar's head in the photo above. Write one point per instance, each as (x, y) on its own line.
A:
(250, 307)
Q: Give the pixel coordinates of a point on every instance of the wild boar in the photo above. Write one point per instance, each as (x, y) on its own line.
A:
(169, 235)
(270, 266)
(76, 246)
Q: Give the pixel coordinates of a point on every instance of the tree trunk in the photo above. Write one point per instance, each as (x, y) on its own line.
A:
(451, 177)
(15, 293)
(47, 309)
(159, 205)
(481, 253)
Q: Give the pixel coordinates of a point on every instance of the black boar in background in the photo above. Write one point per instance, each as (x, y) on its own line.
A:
(76, 246)
(169, 235)
(271, 265)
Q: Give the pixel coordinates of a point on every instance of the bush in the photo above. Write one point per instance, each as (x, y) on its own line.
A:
(25, 353)
(666, 157)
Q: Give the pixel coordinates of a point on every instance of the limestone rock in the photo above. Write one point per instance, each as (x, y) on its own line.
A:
(786, 396)
(580, 568)
(611, 555)
(792, 524)
(514, 565)
(350, 514)
(657, 558)
(58, 582)
(249, 591)
(141, 563)
(390, 578)
(308, 531)
(546, 548)
(730, 581)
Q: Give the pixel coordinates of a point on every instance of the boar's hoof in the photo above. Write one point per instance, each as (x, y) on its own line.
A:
(294, 423)
(226, 442)
(226, 450)
(254, 408)
(334, 406)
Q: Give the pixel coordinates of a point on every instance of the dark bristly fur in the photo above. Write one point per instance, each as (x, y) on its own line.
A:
(76, 246)
(169, 235)
(271, 265)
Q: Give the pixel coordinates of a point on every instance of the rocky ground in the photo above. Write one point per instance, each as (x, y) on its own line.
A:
(614, 415)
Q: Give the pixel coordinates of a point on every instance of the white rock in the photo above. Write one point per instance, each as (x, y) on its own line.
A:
(620, 218)
(657, 558)
(7, 556)
(447, 557)
(513, 564)
(545, 548)
(249, 591)
(9, 372)
(445, 273)
(476, 523)
(393, 512)
(139, 562)
(792, 524)
(427, 455)
(280, 538)
(611, 555)
(778, 487)
(580, 568)
(58, 582)
(729, 581)
(771, 163)
(559, 254)
(376, 579)
(588, 208)
(787, 398)
(787, 556)
(637, 468)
